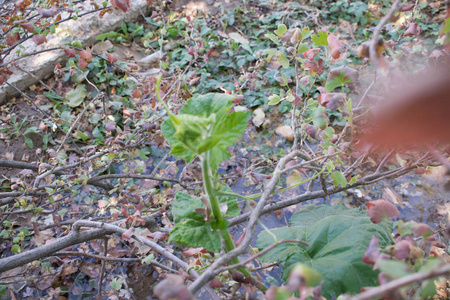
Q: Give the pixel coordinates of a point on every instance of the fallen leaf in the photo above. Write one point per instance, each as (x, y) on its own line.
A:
(258, 117)
(335, 46)
(285, 132)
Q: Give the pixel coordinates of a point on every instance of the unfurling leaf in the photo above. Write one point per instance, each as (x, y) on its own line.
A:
(380, 210)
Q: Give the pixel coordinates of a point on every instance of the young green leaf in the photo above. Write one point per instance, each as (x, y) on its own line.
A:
(281, 30)
(320, 39)
(339, 179)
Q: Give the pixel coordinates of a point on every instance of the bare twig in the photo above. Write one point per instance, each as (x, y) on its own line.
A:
(99, 95)
(375, 293)
(376, 34)
(115, 259)
(102, 272)
(253, 257)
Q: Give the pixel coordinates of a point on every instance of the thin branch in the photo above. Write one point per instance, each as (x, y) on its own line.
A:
(375, 293)
(115, 259)
(135, 176)
(376, 34)
(253, 257)
(99, 95)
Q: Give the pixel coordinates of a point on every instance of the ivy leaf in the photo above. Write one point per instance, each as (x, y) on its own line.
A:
(321, 39)
(283, 61)
(76, 96)
(281, 30)
(270, 53)
(338, 238)
(274, 100)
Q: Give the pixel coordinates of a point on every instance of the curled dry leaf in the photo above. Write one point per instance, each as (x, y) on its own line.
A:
(413, 30)
(373, 252)
(332, 101)
(380, 210)
(285, 132)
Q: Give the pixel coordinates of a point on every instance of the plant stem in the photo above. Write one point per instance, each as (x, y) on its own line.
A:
(214, 202)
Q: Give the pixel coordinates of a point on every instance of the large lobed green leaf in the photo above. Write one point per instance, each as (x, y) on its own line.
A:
(337, 237)
(190, 228)
(220, 128)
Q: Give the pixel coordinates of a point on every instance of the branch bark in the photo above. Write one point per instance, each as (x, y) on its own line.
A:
(395, 284)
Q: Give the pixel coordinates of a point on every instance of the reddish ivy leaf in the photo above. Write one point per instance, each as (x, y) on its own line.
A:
(112, 58)
(28, 27)
(123, 5)
(380, 210)
(70, 52)
(332, 101)
(406, 7)
(335, 46)
(45, 12)
(349, 74)
(402, 249)
(309, 55)
(413, 30)
(315, 67)
(12, 39)
(86, 55)
(82, 63)
(158, 236)
(39, 39)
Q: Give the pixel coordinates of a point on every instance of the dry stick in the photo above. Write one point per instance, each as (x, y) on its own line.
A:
(73, 238)
(157, 248)
(316, 194)
(376, 34)
(113, 259)
(102, 273)
(243, 263)
(135, 176)
(375, 293)
(99, 95)
(209, 274)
